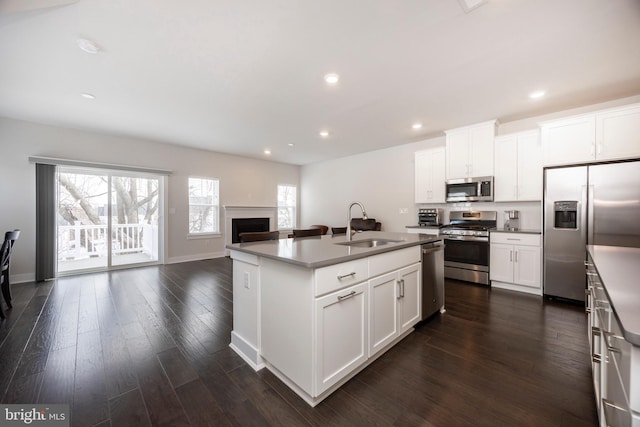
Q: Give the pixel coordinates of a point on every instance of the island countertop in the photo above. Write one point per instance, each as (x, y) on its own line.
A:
(619, 269)
(321, 251)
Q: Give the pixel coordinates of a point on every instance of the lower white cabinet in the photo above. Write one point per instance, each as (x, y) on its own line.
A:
(341, 328)
(394, 306)
(615, 361)
(314, 324)
(516, 261)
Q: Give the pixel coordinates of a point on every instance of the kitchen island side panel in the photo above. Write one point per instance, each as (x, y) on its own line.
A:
(287, 313)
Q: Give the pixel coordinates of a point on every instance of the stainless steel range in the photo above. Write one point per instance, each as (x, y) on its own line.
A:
(466, 252)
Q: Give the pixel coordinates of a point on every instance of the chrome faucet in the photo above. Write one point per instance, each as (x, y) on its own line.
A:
(364, 216)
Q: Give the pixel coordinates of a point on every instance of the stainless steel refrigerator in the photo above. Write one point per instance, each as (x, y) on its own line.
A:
(586, 205)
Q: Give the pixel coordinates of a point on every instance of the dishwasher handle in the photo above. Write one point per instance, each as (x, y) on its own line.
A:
(432, 249)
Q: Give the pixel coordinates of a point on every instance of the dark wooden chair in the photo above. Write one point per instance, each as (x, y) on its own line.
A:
(256, 236)
(10, 238)
(323, 228)
(370, 224)
(306, 232)
(338, 230)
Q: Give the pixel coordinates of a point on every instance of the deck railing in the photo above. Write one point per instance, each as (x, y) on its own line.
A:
(81, 241)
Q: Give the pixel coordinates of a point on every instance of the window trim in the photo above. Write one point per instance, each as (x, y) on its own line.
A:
(203, 234)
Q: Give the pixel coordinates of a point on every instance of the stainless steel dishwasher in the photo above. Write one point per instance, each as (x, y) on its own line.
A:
(432, 278)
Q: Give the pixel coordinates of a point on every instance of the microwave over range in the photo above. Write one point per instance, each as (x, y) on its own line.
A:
(478, 189)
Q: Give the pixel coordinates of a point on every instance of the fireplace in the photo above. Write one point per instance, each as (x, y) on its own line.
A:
(232, 213)
(246, 225)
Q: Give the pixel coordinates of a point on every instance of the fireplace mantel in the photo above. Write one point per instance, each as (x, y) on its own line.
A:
(231, 212)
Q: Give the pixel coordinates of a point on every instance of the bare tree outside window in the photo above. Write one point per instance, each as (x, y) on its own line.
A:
(204, 201)
(287, 205)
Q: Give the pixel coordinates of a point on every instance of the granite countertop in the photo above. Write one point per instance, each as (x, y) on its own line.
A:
(321, 251)
(619, 269)
(520, 230)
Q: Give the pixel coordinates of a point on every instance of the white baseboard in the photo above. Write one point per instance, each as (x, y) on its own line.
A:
(248, 352)
(518, 288)
(196, 257)
(22, 278)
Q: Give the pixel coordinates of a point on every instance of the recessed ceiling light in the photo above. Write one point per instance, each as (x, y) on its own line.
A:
(331, 78)
(267, 152)
(416, 125)
(537, 94)
(88, 46)
(324, 133)
(88, 95)
(290, 144)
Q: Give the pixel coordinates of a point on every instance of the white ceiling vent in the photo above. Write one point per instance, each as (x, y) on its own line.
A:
(469, 5)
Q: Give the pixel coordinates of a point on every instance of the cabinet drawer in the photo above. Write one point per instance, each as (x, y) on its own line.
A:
(619, 350)
(516, 239)
(393, 260)
(338, 276)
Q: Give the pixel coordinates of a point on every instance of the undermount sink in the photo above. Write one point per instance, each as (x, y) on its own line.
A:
(368, 243)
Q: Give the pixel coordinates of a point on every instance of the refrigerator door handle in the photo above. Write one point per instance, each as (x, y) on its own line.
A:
(590, 214)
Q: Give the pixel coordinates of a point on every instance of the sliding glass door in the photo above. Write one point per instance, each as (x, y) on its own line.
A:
(106, 219)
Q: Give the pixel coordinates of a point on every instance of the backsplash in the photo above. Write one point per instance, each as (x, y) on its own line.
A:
(530, 212)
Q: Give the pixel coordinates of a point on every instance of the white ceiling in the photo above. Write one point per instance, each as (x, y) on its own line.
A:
(247, 75)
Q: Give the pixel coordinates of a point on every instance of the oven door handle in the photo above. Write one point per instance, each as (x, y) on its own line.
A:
(467, 238)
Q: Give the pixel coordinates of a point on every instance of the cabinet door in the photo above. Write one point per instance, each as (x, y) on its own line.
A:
(529, 166)
(410, 298)
(457, 157)
(527, 263)
(341, 335)
(422, 171)
(438, 176)
(383, 311)
(481, 149)
(501, 262)
(568, 141)
(506, 168)
(617, 134)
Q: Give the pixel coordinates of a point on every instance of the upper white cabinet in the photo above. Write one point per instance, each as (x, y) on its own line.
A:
(605, 135)
(430, 175)
(469, 150)
(518, 167)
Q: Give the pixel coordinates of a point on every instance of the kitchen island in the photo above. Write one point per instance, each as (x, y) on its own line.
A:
(317, 310)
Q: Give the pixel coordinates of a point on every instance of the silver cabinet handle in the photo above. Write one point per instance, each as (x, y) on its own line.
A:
(607, 336)
(516, 256)
(344, 276)
(399, 282)
(402, 288)
(606, 404)
(597, 358)
(344, 297)
(510, 256)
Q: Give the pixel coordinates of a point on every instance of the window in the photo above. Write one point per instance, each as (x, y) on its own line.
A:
(204, 201)
(286, 206)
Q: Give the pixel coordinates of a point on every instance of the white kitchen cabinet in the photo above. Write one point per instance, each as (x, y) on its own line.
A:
(515, 261)
(604, 135)
(342, 334)
(518, 167)
(469, 150)
(394, 306)
(615, 361)
(314, 323)
(430, 175)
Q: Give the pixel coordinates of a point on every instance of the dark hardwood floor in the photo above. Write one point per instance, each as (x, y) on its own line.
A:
(149, 346)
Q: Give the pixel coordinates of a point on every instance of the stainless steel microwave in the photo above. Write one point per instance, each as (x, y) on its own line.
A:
(478, 189)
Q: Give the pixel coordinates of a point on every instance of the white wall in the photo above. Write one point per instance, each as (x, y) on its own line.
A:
(382, 180)
(243, 182)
